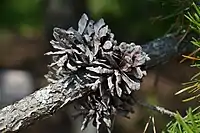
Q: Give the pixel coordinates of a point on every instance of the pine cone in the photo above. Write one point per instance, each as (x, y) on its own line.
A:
(90, 60)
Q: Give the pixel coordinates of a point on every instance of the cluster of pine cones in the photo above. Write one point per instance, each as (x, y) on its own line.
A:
(91, 62)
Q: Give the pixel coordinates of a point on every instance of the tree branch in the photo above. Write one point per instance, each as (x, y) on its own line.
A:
(161, 50)
(48, 100)
(42, 103)
(156, 108)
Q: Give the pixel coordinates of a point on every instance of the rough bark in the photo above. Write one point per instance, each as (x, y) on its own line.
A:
(46, 101)
(161, 50)
(40, 104)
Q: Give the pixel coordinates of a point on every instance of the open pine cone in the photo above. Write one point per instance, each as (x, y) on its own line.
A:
(105, 73)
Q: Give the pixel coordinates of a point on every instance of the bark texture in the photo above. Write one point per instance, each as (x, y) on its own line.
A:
(46, 101)
(40, 104)
(161, 50)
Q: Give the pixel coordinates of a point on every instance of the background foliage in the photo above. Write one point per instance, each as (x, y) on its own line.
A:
(190, 123)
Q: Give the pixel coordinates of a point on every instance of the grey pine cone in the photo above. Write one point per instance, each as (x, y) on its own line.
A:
(90, 60)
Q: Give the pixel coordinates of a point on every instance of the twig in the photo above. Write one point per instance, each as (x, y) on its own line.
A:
(156, 108)
(147, 125)
(197, 50)
(154, 126)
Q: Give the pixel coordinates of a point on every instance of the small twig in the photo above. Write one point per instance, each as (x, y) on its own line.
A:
(197, 50)
(183, 37)
(156, 108)
(191, 54)
(154, 126)
(147, 125)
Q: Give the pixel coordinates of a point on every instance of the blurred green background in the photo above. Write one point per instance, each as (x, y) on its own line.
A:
(26, 29)
(141, 20)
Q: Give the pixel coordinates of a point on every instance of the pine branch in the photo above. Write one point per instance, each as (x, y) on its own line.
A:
(156, 108)
(162, 50)
(46, 101)
(42, 103)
